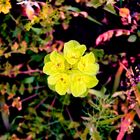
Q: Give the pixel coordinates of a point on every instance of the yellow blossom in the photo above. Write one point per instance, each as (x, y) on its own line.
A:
(5, 6)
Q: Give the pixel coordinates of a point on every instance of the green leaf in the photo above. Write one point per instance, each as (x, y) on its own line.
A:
(14, 88)
(94, 20)
(37, 57)
(96, 135)
(27, 37)
(8, 90)
(110, 8)
(65, 100)
(110, 120)
(30, 88)
(21, 89)
(95, 3)
(14, 120)
(98, 93)
(110, 2)
(16, 32)
(73, 125)
(29, 80)
(74, 9)
(37, 30)
(99, 53)
(132, 38)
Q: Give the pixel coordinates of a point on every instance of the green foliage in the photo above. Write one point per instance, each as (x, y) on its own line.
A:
(108, 5)
(100, 120)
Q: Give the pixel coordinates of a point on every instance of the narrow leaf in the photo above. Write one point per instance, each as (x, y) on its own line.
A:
(93, 20)
(125, 124)
(110, 9)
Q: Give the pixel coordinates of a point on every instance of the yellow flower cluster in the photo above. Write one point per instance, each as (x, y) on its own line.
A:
(71, 72)
(5, 6)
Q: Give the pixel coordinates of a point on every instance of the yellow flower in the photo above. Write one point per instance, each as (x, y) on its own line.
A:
(5, 6)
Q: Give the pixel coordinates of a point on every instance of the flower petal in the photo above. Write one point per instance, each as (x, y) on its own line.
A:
(91, 81)
(73, 51)
(47, 58)
(54, 63)
(56, 56)
(62, 84)
(78, 85)
(52, 79)
(61, 88)
(48, 68)
(87, 64)
(78, 89)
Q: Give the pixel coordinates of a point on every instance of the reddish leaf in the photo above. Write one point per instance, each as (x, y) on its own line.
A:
(125, 124)
(109, 34)
(29, 11)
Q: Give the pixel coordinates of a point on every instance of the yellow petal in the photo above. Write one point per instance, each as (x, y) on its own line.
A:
(87, 64)
(73, 51)
(91, 81)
